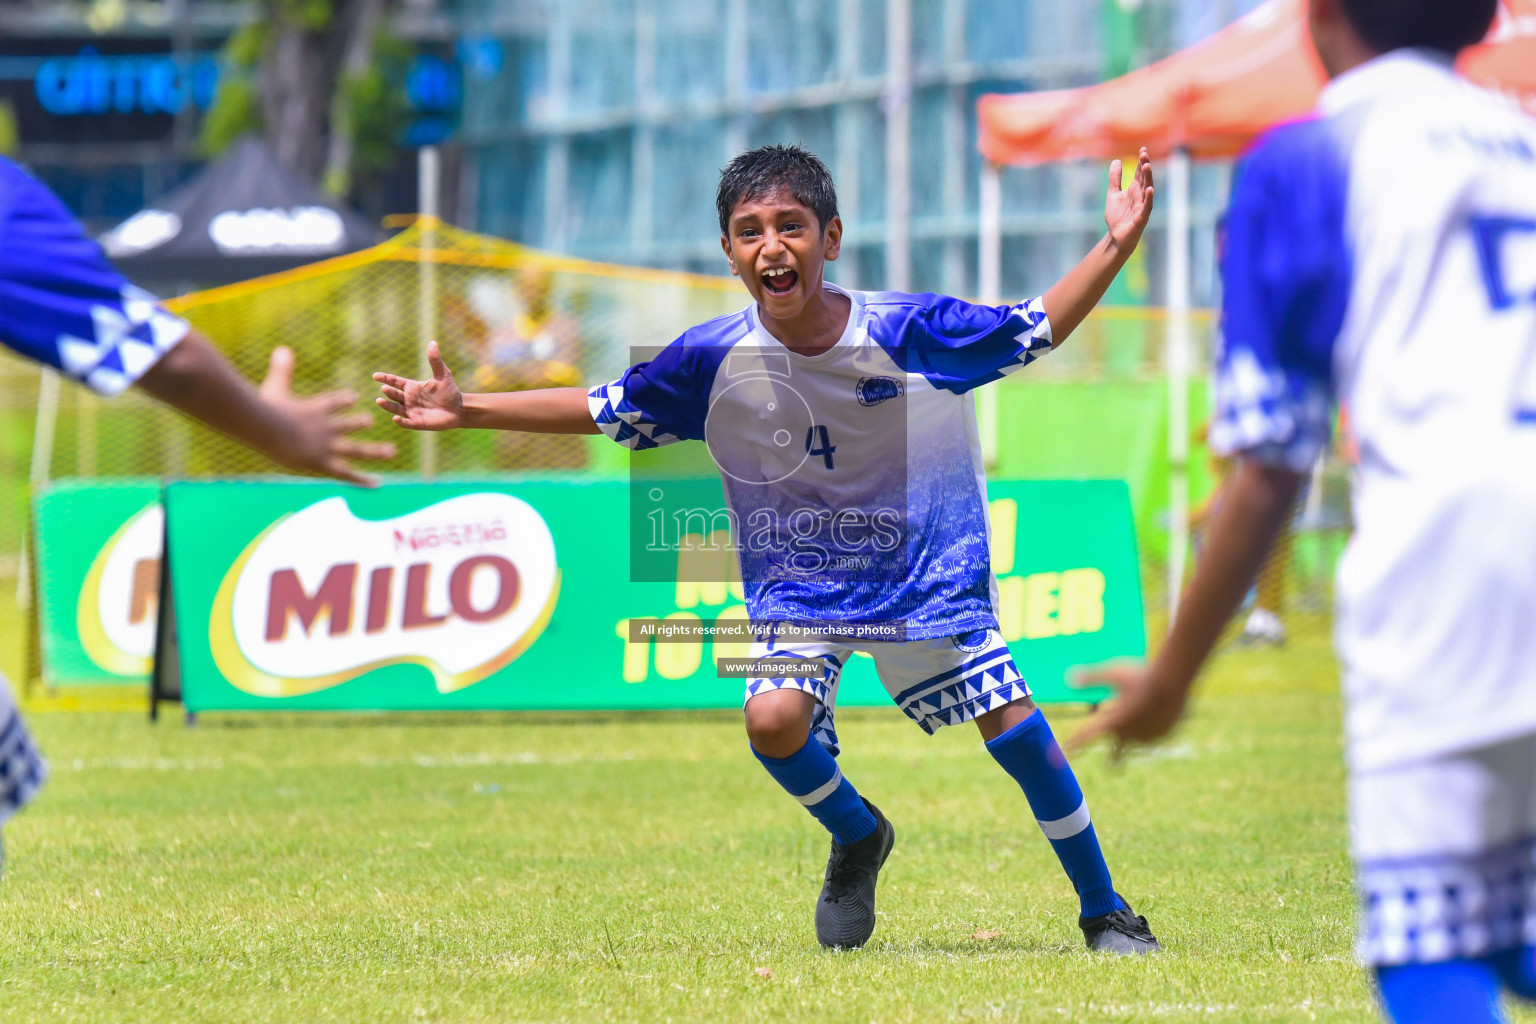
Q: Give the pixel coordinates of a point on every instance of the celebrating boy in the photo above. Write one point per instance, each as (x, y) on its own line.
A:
(844, 430)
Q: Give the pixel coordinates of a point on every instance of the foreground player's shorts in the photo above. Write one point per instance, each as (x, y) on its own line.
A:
(1446, 855)
(939, 682)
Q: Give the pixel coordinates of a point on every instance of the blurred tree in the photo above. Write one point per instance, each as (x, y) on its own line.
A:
(1121, 33)
(10, 134)
(236, 107)
(321, 80)
(368, 114)
(103, 16)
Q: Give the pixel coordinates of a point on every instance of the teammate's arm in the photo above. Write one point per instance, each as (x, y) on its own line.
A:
(1152, 697)
(437, 404)
(1286, 278)
(306, 434)
(1126, 211)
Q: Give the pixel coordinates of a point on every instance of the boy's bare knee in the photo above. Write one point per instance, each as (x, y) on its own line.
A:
(779, 721)
(999, 720)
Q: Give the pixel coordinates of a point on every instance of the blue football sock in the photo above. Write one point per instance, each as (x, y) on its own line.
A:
(811, 776)
(1449, 992)
(1032, 756)
(1517, 969)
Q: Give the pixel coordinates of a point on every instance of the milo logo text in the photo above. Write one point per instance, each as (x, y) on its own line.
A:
(323, 596)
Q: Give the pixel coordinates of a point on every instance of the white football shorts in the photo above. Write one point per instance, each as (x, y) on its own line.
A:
(1445, 851)
(938, 682)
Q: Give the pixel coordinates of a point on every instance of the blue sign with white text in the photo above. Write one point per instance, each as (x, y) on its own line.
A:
(153, 83)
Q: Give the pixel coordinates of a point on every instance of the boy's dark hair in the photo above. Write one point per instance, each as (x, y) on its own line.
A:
(767, 169)
(1446, 25)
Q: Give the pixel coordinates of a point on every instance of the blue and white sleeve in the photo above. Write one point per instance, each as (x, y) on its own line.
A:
(62, 303)
(653, 403)
(1286, 275)
(960, 346)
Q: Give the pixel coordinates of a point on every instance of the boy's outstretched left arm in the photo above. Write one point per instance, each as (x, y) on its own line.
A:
(1126, 210)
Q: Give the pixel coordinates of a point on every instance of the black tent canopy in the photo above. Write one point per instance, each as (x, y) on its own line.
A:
(242, 216)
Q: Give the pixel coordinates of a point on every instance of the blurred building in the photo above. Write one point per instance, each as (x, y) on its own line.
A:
(598, 127)
(102, 99)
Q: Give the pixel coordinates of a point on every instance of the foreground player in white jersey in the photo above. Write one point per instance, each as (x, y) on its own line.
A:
(846, 437)
(1383, 255)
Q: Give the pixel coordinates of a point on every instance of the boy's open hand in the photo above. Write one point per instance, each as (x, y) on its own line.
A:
(1145, 708)
(432, 404)
(317, 439)
(1127, 209)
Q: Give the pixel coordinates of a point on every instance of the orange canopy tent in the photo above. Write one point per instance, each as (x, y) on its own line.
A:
(1506, 61)
(1213, 98)
(1208, 101)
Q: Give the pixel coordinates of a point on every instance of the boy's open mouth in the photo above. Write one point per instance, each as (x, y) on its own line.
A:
(780, 280)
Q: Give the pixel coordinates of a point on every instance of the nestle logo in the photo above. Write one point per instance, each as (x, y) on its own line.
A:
(874, 390)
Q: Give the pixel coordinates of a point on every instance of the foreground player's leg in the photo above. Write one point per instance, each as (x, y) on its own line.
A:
(1020, 739)
(21, 767)
(1449, 992)
(1443, 849)
(779, 726)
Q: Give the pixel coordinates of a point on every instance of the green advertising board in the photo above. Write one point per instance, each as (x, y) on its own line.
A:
(517, 593)
(98, 580)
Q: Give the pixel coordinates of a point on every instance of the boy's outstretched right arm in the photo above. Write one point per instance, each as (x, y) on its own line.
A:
(437, 404)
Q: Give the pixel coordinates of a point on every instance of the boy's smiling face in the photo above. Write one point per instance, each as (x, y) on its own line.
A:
(778, 248)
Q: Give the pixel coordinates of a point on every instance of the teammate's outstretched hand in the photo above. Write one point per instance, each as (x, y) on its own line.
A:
(1144, 709)
(1127, 209)
(317, 440)
(432, 404)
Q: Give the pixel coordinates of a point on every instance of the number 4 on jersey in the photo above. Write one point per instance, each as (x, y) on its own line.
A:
(825, 449)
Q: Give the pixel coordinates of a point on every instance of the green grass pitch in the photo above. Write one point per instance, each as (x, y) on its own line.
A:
(644, 868)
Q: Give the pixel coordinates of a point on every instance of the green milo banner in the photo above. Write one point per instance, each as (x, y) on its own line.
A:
(98, 581)
(517, 594)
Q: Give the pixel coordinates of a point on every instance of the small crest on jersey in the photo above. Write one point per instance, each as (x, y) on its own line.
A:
(874, 390)
(971, 642)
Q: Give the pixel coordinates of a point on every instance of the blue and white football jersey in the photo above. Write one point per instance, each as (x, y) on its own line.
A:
(1383, 255)
(853, 478)
(62, 303)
